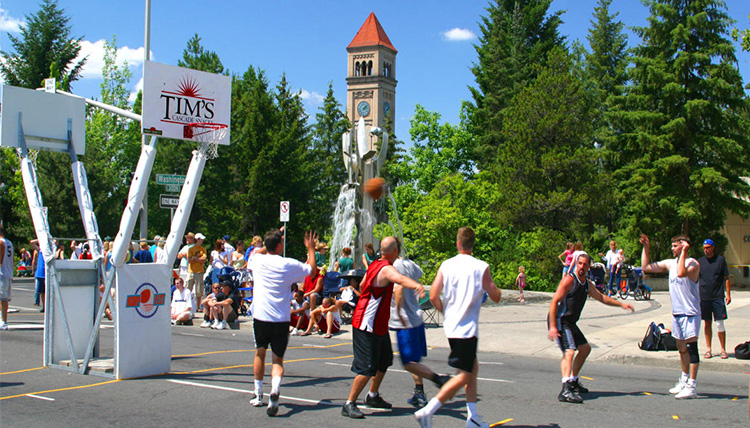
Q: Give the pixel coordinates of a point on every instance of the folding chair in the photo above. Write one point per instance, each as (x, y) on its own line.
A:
(430, 314)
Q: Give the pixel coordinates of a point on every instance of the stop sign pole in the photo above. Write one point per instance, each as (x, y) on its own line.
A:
(284, 218)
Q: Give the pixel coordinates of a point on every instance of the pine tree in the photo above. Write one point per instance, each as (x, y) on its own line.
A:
(608, 60)
(516, 36)
(45, 49)
(682, 144)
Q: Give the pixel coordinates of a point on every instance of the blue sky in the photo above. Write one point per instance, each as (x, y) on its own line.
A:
(307, 40)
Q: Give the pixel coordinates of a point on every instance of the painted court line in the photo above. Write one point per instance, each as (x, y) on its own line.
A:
(40, 397)
(404, 371)
(60, 389)
(246, 391)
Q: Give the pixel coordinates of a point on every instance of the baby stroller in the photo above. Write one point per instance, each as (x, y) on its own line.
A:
(633, 284)
(596, 274)
(228, 273)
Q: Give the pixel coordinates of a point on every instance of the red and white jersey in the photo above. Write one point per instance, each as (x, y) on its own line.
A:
(374, 305)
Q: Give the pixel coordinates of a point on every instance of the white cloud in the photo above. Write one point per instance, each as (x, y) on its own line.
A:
(458, 35)
(311, 97)
(9, 23)
(95, 61)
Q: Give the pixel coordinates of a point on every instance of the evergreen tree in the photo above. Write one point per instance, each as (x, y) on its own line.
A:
(45, 49)
(608, 60)
(516, 36)
(195, 56)
(682, 144)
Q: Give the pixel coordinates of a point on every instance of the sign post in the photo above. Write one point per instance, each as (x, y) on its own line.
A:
(284, 218)
(171, 183)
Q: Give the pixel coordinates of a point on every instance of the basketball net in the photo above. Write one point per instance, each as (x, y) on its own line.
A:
(207, 135)
(31, 154)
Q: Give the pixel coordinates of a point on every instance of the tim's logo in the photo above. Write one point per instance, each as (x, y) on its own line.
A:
(186, 104)
(146, 300)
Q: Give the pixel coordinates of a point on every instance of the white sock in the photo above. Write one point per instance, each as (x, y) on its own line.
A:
(684, 377)
(433, 406)
(472, 408)
(349, 401)
(691, 382)
(372, 394)
(573, 378)
(275, 384)
(258, 387)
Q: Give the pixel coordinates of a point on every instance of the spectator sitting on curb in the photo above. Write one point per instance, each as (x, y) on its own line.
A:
(208, 316)
(300, 313)
(326, 317)
(183, 306)
(224, 307)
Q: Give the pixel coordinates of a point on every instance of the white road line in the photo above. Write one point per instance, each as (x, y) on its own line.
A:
(404, 371)
(491, 363)
(40, 397)
(192, 334)
(12, 326)
(245, 391)
(309, 345)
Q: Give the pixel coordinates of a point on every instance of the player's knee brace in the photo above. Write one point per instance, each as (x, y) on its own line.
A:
(720, 326)
(692, 349)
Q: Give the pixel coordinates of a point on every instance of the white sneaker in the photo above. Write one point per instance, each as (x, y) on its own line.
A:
(476, 422)
(174, 321)
(215, 324)
(206, 324)
(294, 332)
(424, 418)
(221, 326)
(679, 386)
(3, 325)
(257, 401)
(688, 391)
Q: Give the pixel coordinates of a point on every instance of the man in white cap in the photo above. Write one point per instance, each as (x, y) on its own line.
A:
(564, 312)
(196, 266)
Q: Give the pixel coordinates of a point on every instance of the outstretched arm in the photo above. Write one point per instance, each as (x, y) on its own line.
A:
(593, 292)
(646, 264)
(390, 274)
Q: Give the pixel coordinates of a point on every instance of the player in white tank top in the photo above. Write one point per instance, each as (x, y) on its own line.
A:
(6, 276)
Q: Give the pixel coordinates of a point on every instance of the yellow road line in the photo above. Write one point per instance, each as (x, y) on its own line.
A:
(24, 370)
(253, 350)
(587, 378)
(504, 421)
(675, 417)
(647, 393)
(250, 365)
(58, 390)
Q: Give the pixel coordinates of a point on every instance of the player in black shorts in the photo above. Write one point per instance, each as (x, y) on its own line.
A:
(564, 312)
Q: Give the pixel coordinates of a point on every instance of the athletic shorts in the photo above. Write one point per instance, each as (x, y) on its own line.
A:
(463, 353)
(685, 327)
(372, 353)
(5, 289)
(295, 318)
(412, 344)
(275, 334)
(40, 285)
(715, 307)
(323, 325)
(571, 337)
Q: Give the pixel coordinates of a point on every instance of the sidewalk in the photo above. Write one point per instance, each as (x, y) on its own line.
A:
(513, 328)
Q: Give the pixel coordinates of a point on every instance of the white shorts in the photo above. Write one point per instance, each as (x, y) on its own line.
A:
(5, 289)
(685, 327)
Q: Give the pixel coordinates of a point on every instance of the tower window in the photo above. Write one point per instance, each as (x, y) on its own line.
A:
(369, 68)
(357, 70)
(387, 69)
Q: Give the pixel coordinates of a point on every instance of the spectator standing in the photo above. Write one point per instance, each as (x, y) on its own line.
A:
(613, 268)
(218, 260)
(369, 255)
(714, 278)
(566, 257)
(160, 253)
(521, 282)
(182, 256)
(196, 258)
(6, 276)
(37, 265)
(143, 255)
(152, 248)
(320, 254)
(345, 263)
(314, 287)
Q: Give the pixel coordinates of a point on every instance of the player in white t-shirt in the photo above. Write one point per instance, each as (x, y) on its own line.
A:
(6, 276)
(462, 280)
(684, 293)
(182, 308)
(273, 277)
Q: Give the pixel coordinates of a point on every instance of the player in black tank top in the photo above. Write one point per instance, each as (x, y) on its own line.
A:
(565, 310)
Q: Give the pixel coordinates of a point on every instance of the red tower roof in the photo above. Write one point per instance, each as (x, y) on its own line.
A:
(371, 34)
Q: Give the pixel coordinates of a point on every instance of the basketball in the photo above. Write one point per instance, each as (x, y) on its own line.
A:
(374, 187)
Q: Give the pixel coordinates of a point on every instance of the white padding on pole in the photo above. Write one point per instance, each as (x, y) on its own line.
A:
(143, 335)
(91, 226)
(135, 197)
(38, 217)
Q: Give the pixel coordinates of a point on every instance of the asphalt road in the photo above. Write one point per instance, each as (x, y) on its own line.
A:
(210, 384)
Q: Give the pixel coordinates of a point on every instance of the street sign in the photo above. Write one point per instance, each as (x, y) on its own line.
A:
(284, 212)
(169, 201)
(170, 179)
(173, 187)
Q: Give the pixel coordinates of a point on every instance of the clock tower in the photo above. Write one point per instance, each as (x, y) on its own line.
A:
(371, 76)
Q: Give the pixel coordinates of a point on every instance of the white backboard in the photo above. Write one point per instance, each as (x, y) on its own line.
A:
(44, 119)
(174, 97)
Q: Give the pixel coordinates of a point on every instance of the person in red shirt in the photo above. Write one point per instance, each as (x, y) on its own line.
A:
(372, 343)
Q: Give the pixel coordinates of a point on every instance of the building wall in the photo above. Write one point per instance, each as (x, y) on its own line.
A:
(737, 231)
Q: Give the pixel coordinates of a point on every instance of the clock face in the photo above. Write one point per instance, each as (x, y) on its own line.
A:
(363, 108)
(387, 108)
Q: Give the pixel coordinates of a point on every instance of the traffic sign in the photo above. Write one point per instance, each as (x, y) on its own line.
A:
(170, 179)
(284, 211)
(169, 201)
(173, 187)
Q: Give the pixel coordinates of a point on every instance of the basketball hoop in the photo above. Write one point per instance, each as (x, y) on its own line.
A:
(207, 135)
(31, 154)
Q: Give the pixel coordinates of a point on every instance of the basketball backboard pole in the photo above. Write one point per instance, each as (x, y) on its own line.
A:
(146, 58)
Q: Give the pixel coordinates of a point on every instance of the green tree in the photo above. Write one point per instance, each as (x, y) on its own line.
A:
(331, 124)
(516, 36)
(45, 49)
(112, 144)
(682, 144)
(195, 56)
(608, 60)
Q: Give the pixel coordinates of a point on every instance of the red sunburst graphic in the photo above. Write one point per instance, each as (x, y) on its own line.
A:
(188, 87)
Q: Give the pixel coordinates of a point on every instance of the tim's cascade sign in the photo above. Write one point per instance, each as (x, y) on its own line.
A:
(174, 97)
